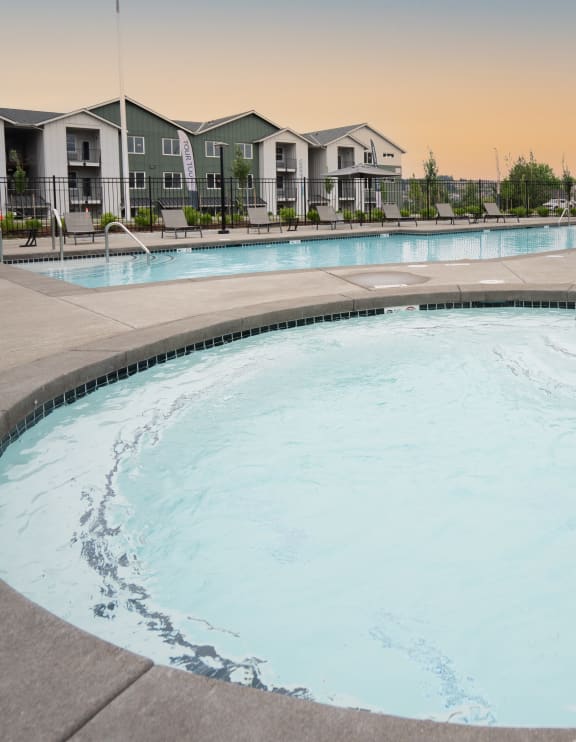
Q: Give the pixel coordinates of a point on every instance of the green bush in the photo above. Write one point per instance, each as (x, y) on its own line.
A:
(205, 219)
(360, 216)
(427, 213)
(474, 211)
(33, 224)
(313, 216)
(519, 211)
(7, 223)
(347, 215)
(377, 215)
(106, 218)
(459, 211)
(541, 210)
(404, 212)
(192, 216)
(145, 217)
(287, 213)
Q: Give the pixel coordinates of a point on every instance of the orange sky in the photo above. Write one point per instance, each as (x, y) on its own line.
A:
(462, 79)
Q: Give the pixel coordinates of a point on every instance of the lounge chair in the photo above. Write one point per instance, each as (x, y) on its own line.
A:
(258, 218)
(445, 211)
(327, 215)
(392, 213)
(78, 224)
(493, 212)
(174, 220)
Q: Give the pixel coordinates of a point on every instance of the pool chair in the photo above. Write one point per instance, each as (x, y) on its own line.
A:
(392, 214)
(327, 215)
(493, 212)
(78, 224)
(445, 211)
(174, 220)
(258, 218)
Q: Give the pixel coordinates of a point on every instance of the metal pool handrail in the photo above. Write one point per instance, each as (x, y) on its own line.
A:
(129, 233)
(58, 221)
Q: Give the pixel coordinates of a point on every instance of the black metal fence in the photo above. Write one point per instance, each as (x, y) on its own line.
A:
(138, 201)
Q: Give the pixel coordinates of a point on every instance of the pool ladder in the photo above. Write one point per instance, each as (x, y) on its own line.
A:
(129, 233)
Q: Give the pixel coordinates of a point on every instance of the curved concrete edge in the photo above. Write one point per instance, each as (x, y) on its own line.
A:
(63, 683)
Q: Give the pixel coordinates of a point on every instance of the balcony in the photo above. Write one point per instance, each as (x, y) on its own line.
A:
(84, 157)
(286, 193)
(286, 165)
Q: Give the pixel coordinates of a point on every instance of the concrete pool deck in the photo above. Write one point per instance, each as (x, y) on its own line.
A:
(58, 682)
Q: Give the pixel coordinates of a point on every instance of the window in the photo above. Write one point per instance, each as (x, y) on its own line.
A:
(172, 181)
(72, 180)
(212, 149)
(135, 145)
(212, 180)
(367, 157)
(249, 181)
(279, 153)
(245, 150)
(170, 146)
(70, 143)
(137, 180)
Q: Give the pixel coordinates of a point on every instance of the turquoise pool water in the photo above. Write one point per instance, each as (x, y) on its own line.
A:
(393, 248)
(376, 513)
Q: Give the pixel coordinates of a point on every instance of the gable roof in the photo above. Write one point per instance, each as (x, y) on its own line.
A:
(329, 136)
(177, 124)
(25, 117)
(200, 128)
(275, 134)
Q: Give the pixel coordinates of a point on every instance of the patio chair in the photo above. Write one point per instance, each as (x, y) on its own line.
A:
(327, 215)
(78, 224)
(445, 211)
(392, 213)
(493, 212)
(258, 218)
(174, 220)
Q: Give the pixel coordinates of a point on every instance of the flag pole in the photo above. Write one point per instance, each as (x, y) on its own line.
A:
(123, 124)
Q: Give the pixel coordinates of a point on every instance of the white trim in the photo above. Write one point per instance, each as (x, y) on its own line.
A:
(137, 187)
(213, 142)
(215, 177)
(242, 146)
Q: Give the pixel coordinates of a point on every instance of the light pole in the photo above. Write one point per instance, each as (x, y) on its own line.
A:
(222, 229)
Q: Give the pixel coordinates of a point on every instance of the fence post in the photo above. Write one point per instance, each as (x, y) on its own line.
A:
(427, 198)
(479, 198)
(150, 203)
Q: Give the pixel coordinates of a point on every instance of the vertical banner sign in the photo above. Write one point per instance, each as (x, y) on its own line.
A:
(188, 163)
(377, 185)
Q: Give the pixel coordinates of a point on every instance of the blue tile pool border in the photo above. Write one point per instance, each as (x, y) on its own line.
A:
(72, 395)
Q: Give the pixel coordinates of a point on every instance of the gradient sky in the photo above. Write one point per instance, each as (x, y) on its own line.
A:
(463, 79)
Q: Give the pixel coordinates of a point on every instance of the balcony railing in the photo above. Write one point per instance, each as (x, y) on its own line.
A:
(286, 163)
(85, 155)
(91, 194)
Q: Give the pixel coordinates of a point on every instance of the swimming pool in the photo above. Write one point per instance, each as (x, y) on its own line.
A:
(375, 513)
(345, 251)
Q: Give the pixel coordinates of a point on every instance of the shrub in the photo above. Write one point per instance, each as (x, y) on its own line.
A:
(33, 224)
(474, 211)
(519, 211)
(541, 210)
(205, 219)
(359, 215)
(404, 212)
(145, 216)
(427, 213)
(287, 213)
(7, 223)
(106, 218)
(347, 215)
(192, 216)
(313, 216)
(459, 211)
(377, 215)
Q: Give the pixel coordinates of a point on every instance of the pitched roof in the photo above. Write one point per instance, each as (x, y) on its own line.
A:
(201, 127)
(24, 117)
(325, 136)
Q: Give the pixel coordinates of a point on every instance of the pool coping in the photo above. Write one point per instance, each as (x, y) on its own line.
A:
(66, 684)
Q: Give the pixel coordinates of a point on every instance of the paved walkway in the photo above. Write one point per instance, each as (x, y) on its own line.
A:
(59, 683)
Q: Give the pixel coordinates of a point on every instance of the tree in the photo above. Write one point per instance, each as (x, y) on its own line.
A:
(20, 180)
(241, 171)
(431, 176)
(529, 182)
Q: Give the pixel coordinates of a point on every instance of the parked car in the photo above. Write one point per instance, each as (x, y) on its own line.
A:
(559, 203)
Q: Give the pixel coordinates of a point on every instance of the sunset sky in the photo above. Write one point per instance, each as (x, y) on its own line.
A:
(464, 79)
